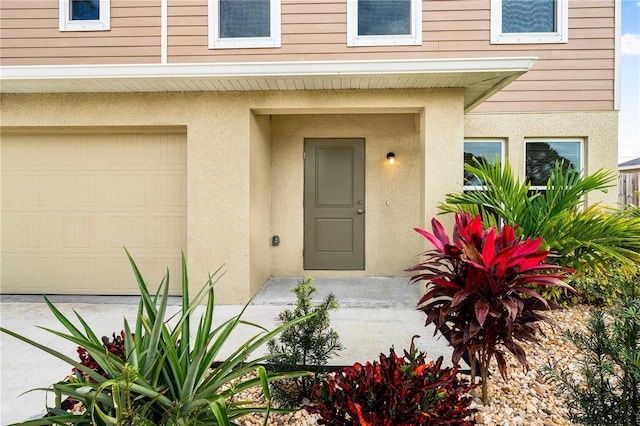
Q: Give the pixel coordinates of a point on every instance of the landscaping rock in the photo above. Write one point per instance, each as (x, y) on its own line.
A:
(525, 398)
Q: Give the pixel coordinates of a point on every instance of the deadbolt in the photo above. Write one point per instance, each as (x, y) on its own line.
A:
(359, 202)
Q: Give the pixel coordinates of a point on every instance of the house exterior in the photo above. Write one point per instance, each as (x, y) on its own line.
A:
(255, 134)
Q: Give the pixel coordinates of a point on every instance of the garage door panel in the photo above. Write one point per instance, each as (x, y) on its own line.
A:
(173, 195)
(67, 217)
(167, 230)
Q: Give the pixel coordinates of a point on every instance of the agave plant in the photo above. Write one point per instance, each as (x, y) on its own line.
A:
(579, 237)
(167, 377)
(480, 287)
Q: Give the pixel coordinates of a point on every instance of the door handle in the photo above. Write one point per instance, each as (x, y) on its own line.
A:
(360, 211)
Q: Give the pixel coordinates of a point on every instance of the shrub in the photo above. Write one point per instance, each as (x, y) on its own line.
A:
(608, 393)
(306, 345)
(479, 286)
(600, 288)
(166, 377)
(581, 238)
(395, 391)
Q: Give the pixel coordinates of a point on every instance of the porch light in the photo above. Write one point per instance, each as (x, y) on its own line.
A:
(391, 157)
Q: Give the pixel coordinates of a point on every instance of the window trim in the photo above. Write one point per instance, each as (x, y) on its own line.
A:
(581, 166)
(413, 39)
(217, 42)
(561, 35)
(67, 24)
(479, 140)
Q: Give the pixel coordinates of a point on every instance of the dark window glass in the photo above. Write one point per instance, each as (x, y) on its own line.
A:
(85, 10)
(485, 152)
(541, 158)
(384, 17)
(245, 18)
(528, 16)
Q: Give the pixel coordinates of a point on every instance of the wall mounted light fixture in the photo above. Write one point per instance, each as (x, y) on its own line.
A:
(391, 157)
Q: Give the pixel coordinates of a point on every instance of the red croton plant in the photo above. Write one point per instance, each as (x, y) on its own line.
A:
(481, 286)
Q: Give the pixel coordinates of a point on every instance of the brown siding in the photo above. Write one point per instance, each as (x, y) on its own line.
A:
(30, 35)
(576, 76)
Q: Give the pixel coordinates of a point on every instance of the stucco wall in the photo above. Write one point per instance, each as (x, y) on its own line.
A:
(232, 139)
(260, 199)
(598, 130)
(392, 200)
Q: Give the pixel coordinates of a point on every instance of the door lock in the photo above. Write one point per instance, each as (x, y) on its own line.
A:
(360, 211)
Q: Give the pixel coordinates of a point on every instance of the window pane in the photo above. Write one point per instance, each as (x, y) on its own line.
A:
(485, 152)
(245, 18)
(528, 16)
(85, 10)
(384, 17)
(541, 158)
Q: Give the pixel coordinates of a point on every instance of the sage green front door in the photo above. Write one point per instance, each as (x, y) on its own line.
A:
(334, 205)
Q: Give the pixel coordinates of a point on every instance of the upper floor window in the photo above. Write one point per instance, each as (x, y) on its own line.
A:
(529, 21)
(244, 23)
(85, 15)
(541, 157)
(384, 22)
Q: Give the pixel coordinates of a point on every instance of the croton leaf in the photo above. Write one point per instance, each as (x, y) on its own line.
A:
(481, 308)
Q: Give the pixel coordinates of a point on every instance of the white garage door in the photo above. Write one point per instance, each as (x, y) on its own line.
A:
(72, 201)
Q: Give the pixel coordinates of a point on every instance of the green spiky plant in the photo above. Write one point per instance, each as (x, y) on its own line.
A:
(579, 237)
(167, 377)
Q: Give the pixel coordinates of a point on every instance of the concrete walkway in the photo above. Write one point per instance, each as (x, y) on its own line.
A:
(374, 314)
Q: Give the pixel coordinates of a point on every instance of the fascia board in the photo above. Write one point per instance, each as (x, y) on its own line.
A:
(269, 69)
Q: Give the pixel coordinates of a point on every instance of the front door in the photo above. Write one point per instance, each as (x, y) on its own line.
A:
(334, 205)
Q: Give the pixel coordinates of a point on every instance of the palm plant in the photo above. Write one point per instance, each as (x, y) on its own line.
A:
(578, 236)
(167, 378)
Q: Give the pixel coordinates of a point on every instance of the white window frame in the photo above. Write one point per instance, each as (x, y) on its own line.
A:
(581, 166)
(68, 24)
(561, 35)
(502, 158)
(217, 42)
(413, 39)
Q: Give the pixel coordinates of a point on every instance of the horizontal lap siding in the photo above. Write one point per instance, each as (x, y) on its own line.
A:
(30, 35)
(576, 76)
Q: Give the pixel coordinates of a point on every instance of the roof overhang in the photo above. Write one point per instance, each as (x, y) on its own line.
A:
(479, 77)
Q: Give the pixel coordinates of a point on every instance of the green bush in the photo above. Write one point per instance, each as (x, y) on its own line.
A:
(166, 377)
(608, 393)
(306, 345)
(600, 288)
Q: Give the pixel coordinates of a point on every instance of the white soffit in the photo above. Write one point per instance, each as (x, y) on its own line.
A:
(480, 78)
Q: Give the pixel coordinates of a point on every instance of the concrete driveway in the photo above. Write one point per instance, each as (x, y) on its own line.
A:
(375, 314)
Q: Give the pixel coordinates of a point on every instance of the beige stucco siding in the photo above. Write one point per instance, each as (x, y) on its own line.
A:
(238, 169)
(30, 35)
(597, 130)
(392, 198)
(260, 201)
